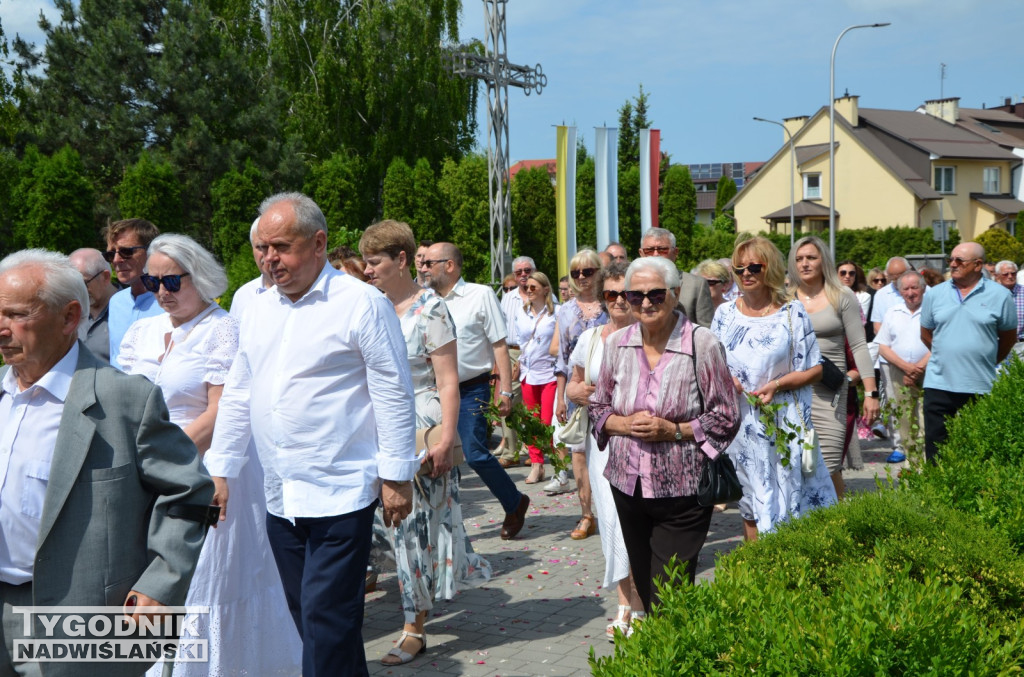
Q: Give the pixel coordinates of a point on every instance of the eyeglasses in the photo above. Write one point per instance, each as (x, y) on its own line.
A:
(92, 278)
(171, 283)
(523, 271)
(880, 280)
(847, 273)
(611, 295)
(753, 268)
(510, 289)
(430, 263)
(125, 252)
(714, 283)
(534, 287)
(651, 251)
(1008, 273)
(655, 296)
(582, 272)
(950, 260)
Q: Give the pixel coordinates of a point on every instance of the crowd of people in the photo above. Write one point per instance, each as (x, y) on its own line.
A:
(326, 417)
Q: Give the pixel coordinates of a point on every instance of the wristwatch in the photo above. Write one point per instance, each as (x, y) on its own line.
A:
(505, 393)
(871, 393)
(679, 434)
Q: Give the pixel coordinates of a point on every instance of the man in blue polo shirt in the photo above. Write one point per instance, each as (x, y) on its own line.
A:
(127, 242)
(970, 325)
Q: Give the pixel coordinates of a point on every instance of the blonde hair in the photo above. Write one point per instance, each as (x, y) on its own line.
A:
(538, 276)
(712, 268)
(586, 258)
(765, 251)
(830, 279)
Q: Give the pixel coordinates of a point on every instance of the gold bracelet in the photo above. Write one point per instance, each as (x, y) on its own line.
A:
(778, 386)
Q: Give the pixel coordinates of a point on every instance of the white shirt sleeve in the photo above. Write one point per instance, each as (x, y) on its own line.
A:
(231, 432)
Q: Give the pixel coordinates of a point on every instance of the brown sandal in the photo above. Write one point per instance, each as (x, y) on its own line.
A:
(587, 526)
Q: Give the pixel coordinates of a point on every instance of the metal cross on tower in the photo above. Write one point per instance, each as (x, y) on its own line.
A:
(494, 69)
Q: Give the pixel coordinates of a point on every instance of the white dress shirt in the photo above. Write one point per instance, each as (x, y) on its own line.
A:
(479, 324)
(29, 421)
(245, 295)
(322, 385)
(901, 331)
(512, 307)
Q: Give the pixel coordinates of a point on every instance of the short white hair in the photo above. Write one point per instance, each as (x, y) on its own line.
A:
(524, 259)
(657, 265)
(1004, 263)
(62, 283)
(253, 229)
(208, 276)
(659, 234)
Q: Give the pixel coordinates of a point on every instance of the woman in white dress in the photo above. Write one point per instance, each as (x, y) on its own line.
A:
(433, 556)
(773, 356)
(578, 390)
(187, 351)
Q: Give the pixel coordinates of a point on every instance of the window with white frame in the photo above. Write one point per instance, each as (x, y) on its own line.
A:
(812, 186)
(945, 179)
(991, 178)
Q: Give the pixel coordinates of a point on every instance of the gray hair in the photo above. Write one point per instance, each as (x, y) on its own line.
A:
(524, 259)
(1004, 263)
(898, 259)
(657, 265)
(91, 261)
(660, 234)
(308, 217)
(911, 273)
(208, 276)
(62, 283)
(253, 229)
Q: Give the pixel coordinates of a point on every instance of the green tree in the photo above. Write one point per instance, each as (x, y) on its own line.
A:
(1020, 225)
(725, 191)
(629, 209)
(1000, 245)
(586, 205)
(679, 207)
(57, 204)
(632, 118)
(428, 214)
(463, 187)
(10, 176)
(399, 191)
(338, 187)
(149, 190)
(533, 219)
(236, 199)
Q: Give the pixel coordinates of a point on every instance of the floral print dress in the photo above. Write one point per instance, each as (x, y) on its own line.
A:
(759, 350)
(433, 556)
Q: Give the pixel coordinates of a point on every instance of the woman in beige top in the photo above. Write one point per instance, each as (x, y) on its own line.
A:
(835, 315)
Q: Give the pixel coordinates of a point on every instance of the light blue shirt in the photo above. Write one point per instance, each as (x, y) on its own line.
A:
(965, 335)
(124, 309)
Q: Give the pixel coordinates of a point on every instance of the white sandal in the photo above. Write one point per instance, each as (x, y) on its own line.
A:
(620, 624)
(635, 622)
(402, 656)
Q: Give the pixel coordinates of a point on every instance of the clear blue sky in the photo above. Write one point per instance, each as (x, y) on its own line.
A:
(709, 66)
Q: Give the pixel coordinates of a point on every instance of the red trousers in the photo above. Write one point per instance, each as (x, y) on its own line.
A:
(542, 396)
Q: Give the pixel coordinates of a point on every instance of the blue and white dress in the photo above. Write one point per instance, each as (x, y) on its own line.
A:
(759, 350)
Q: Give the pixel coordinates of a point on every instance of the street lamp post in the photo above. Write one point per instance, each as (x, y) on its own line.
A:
(792, 176)
(832, 137)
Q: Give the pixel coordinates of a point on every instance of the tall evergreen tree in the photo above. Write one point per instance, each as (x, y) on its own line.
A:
(57, 199)
(150, 190)
(533, 219)
(586, 205)
(428, 215)
(724, 191)
(399, 200)
(679, 207)
(629, 209)
(463, 186)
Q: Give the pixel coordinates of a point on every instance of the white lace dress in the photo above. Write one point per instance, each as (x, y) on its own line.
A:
(249, 626)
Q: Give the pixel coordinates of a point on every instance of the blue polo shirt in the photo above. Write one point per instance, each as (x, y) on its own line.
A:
(965, 337)
(123, 310)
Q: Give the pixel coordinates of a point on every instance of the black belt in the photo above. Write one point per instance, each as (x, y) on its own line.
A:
(512, 347)
(477, 380)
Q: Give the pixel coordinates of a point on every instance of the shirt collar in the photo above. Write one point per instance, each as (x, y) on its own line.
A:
(679, 340)
(57, 381)
(458, 290)
(319, 289)
(142, 300)
(179, 333)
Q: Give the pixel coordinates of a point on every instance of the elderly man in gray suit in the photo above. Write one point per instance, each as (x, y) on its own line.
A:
(694, 295)
(103, 501)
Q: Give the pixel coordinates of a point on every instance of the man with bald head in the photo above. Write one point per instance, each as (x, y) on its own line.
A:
(93, 331)
(480, 332)
(970, 324)
(321, 384)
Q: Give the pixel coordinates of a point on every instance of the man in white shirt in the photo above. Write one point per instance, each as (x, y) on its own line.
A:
(95, 271)
(245, 294)
(321, 383)
(899, 342)
(127, 242)
(480, 332)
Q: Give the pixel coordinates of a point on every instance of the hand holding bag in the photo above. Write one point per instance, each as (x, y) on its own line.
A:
(718, 481)
(574, 432)
(425, 438)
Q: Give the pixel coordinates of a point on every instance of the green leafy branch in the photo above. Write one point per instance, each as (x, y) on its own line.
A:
(532, 431)
(778, 427)
(896, 411)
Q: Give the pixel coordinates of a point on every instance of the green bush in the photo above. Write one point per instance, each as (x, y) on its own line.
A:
(979, 468)
(884, 583)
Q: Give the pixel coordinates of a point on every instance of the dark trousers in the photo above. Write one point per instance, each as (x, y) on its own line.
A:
(474, 431)
(322, 561)
(939, 405)
(655, 529)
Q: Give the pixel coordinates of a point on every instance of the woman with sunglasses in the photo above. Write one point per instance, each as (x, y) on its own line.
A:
(534, 330)
(590, 346)
(718, 278)
(582, 312)
(835, 316)
(433, 555)
(774, 358)
(664, 402)
(187, 351)
(851, 275)
(876, 278)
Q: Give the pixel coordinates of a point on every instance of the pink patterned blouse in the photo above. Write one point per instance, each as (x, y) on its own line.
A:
(627, 385)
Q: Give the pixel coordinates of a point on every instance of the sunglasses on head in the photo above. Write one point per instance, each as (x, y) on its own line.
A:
(125, 252)
(582, 272)
(753, 268)
(171, 283)
(655, 296)
(610, 295)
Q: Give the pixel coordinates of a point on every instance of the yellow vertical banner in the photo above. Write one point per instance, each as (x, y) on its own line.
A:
(565, 196)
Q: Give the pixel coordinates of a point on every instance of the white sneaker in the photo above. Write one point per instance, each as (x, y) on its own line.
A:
(559, 484)
(880, 431)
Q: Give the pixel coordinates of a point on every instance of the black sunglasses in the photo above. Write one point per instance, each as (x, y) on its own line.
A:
(611, 295)
(125, 252)
(93, 278)
(582, 272)
(430, 263)
(753, 268)
(655, 296)
(714, 283)
(509, 289)
(171, 283)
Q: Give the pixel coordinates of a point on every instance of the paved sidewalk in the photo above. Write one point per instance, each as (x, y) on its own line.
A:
(545, 606)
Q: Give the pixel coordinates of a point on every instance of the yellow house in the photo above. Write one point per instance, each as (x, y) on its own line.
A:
(893, 168)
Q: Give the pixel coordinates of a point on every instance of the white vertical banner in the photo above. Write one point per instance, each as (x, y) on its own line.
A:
(606, 186)
(645, 182)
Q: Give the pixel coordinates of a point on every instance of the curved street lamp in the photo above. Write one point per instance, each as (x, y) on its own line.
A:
(832, 137)
(792, 175)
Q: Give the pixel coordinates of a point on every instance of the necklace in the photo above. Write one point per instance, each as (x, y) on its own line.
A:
(811, 297)
(763, 313)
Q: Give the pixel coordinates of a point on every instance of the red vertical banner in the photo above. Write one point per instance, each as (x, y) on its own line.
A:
(655, 175)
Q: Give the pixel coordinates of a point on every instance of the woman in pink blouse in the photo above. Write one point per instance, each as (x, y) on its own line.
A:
(664, 403)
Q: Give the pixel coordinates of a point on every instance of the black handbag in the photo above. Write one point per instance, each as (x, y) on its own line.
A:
(718, 481)
(831, 376)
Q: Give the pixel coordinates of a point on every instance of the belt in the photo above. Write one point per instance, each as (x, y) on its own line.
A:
(476, 380)
(512, 347)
